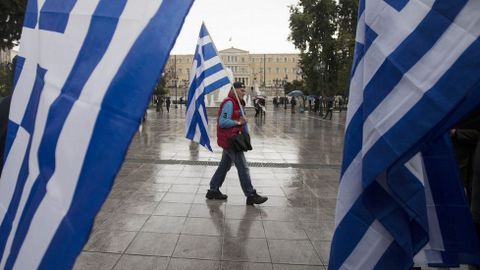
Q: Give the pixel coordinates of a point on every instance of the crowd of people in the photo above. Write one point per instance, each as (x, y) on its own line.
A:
(324, 106)
(161, 101)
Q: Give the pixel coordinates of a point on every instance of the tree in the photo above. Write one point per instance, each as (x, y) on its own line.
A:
(347, 23)
(11, 22)
(6, 78)
(160, 88)
(294, 85)
(313, 24)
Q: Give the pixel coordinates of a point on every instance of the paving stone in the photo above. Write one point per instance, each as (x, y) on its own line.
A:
(199, 247)
(109, 241)
(293, 251)
(153, 244)
(245, 249)
(129, 262)
(188, 264)
(95, 261)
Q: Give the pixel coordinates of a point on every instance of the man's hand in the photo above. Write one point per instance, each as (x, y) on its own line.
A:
(242, 121)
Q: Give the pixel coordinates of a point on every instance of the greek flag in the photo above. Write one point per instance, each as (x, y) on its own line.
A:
(208, 75)
(415, 74)
(84, 76)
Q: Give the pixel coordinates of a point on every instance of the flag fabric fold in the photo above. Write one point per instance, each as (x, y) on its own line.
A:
(208, 75)
(400, 200)
(84, 76)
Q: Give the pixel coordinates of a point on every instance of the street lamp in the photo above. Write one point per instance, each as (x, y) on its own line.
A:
(185, 83)
(176, 89)
(275, 84)
(320, 67)
(284, 82)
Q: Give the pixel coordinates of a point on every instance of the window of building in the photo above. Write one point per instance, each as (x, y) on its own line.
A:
(243, 59)
(277, 70)
(286, 70)
(269, 70)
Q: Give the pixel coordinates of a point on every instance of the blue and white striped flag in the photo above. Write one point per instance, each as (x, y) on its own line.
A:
(415, 74)
(84, 76)
(208, 75)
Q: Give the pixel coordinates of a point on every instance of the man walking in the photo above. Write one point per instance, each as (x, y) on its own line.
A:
(294, 103)
(230, 122)
(160, 104)
(329, 108)
(167, 103)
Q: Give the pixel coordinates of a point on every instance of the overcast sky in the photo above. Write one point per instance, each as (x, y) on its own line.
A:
(258, 26)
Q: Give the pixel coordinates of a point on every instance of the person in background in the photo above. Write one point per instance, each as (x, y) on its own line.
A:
(4, 111)
(230, 122)
(160, 104)
(329, 108)
(294, 103)
(466, 141)
(316, 104)
(167, 103)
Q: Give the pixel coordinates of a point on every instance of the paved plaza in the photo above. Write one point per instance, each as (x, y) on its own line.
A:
(157, 217)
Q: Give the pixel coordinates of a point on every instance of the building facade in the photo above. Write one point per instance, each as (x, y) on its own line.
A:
(266, 73)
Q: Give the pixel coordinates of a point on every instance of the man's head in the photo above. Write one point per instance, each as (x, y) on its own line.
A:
(239, 87)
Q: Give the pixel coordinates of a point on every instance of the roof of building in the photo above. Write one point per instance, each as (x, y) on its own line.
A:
(233, 50)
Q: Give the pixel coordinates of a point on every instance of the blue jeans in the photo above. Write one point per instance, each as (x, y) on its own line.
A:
(229, 157)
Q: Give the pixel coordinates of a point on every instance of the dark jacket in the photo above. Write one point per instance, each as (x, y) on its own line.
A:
(4, 111)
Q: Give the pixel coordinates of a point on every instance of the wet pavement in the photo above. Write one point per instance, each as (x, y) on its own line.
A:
(157, 217)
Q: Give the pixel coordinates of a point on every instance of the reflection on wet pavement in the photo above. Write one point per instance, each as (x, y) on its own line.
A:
(157, 217)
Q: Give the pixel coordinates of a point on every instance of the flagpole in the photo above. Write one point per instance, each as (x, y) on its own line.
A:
(242, 112)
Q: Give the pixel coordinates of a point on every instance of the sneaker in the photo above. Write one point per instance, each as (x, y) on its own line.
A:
(256, 199)
(215, 195)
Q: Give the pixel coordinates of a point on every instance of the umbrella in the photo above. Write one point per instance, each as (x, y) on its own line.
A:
(295, 93)
(312, 98)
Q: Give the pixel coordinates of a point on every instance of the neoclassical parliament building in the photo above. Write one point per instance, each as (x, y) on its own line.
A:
(268, 72)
